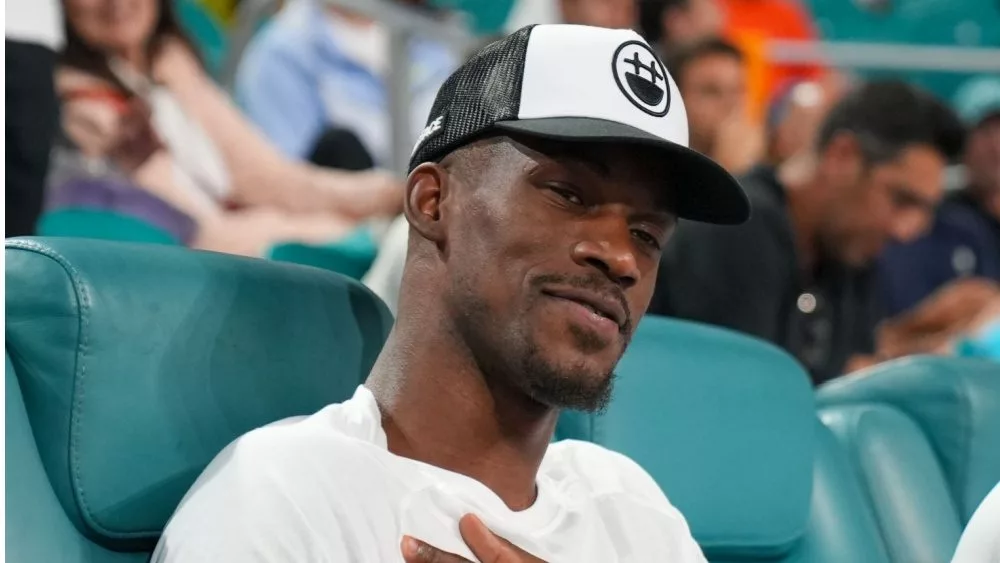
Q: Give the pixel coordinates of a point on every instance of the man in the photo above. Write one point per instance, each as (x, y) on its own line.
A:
(537, 216)
(613, 14)
(712, 79)
(672, 24)
(797, 274)
(33, 35)
(317, 68)
(965, 240)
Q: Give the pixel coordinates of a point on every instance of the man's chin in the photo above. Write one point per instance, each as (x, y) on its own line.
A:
(577, 389)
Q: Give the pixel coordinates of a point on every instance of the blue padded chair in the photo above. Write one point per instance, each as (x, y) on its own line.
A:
(923, 435)
(726, 425)
(130, 366)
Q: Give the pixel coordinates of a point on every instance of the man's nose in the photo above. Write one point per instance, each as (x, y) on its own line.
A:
(609, 248)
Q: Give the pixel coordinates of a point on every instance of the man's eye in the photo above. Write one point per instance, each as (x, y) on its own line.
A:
(646, 238)
(566, 193)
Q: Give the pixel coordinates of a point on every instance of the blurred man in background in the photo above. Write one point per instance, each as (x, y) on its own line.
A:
(965, 240)
(712, 79)
(797, 274)
(613, 14)
(319, 70)
(671, 24)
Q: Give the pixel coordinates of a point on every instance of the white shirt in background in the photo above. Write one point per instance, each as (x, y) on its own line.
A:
(980, 542)
(326, 488)
(34, 21)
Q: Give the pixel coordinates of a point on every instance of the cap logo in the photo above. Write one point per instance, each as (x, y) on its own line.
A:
(432, 129)
(641, 77)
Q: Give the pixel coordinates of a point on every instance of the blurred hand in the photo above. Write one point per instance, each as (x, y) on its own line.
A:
(739, 143)
(136, 139)
(485, 545)
(374, 193)
(955, 309)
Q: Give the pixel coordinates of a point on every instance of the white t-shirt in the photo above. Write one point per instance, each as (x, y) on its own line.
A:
(325, 488)
(980, 542)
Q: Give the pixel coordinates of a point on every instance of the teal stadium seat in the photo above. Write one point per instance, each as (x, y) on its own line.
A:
(923, 436)
(130, 366)
(726, 424)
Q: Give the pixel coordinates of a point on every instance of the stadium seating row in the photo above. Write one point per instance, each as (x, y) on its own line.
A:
(130, 366)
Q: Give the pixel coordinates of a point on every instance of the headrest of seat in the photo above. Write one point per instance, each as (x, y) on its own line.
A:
(956, 403)
(139, 363)
(725, 423)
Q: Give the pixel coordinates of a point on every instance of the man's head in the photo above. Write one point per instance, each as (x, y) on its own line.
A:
(712, 79)
(613, 14)
(882, 154)
(537, 215)
(675, 23)
(978, 104)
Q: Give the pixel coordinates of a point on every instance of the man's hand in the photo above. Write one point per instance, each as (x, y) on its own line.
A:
(485, 545)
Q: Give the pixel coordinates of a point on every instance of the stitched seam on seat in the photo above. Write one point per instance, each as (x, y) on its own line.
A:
(965, 396)
(79, 380)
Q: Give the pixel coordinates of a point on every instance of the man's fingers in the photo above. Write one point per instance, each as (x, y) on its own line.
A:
(486, 546)
(416, 551)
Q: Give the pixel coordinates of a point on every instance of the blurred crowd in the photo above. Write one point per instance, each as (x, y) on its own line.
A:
(876, 206)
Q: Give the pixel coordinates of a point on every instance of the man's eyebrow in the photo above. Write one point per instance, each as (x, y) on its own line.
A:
(567, 154)
(911, 196)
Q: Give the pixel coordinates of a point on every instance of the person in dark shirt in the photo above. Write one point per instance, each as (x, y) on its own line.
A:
(799, 273)
(965, 239)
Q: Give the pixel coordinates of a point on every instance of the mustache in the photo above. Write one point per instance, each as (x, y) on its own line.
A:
(596, 283)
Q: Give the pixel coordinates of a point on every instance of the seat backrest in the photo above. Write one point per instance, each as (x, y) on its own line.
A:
(842, 526)
(137, 364)
(901, 478)
(725, 423)
(956, 405)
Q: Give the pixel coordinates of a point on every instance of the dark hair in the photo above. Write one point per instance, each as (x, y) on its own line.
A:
(79, 55)
(888, 116)
(651, 18)
(685, 56)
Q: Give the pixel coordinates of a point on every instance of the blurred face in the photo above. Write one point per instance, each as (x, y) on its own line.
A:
(713, 88)
(871, 205)
(614, 14)
(982, 155)
(698, 20)
(552, 252)
(113, 26)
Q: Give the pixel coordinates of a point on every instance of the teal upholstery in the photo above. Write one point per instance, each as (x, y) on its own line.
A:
(724, 423)
(956, 405)
(902, 479)
(138, 363)
(841, 524)
(350, 256)
(101, 224)
(37, 529)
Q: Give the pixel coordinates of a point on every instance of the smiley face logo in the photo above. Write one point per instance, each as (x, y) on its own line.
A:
(641, 78)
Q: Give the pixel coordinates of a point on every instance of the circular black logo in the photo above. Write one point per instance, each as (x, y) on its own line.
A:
(641, 77)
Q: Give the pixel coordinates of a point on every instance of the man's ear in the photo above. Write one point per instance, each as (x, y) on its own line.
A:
(842, 158)
(426, 190)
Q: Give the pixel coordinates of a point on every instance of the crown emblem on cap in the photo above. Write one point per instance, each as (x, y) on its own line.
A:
(641, 77)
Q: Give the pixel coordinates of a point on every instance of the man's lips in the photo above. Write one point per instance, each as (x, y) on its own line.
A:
(604, 306)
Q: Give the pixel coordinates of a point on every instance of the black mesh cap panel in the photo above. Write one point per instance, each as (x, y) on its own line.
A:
(486, 89)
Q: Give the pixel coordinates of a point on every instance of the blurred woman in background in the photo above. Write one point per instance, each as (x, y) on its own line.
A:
(137, 104)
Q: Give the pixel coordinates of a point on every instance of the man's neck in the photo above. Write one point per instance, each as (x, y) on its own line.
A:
(438, 408)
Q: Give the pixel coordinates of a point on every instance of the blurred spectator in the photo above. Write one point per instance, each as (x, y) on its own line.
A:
(712, 81)
(614, 14)
(797, 274)
(33, 35)
(138, 105)
(315, 67)
(671, 24)
(965, 240)
(752, 24)
(795, 114)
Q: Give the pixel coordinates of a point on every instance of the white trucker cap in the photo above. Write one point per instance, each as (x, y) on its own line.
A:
(581, 84)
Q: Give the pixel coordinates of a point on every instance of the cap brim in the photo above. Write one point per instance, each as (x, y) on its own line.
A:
(705, 191)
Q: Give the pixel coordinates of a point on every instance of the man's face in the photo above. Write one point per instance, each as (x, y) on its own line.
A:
(982, 155)
(713, 88)
(552, 252)
(871, 205)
